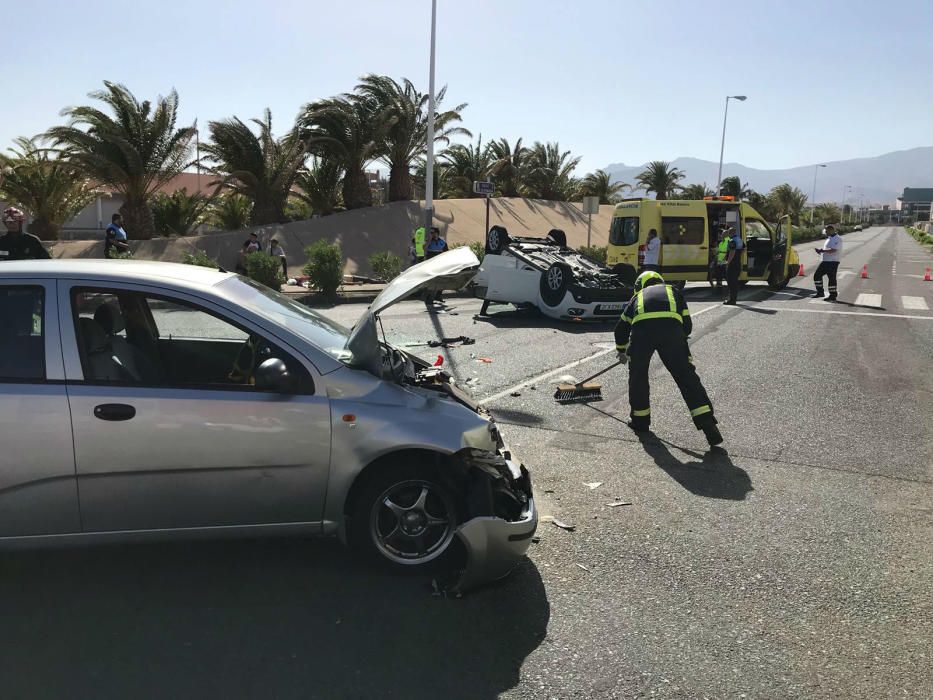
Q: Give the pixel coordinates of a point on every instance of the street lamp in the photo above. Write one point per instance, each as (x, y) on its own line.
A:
(722, 148)
(816, 169)
(429, 169)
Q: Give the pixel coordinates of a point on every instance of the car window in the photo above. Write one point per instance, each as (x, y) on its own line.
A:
(683, 230)
(22, 333)
(624, 231)
(756, 229)
(132, 338)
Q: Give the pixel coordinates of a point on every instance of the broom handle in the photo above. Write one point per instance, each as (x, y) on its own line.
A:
(602, 371)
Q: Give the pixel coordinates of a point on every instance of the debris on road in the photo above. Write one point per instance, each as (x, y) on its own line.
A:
(516, 393)
(487, 360)
(618, 503)
(582, 566)
(451, 342)
(563, 526)
(593, 484)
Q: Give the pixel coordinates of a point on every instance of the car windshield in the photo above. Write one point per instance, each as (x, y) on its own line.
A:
(316, 329)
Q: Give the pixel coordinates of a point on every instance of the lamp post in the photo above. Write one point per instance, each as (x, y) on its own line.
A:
(429, 169)
(722, 147)
(816, 169)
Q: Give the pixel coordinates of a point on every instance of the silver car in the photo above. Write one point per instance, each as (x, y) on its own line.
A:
(153, 400)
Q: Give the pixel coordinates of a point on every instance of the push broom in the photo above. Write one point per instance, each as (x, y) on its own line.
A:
(587, 390)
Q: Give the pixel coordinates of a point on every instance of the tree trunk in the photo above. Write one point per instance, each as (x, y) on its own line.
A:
(399, 184)
(45, 229)
(264, 213)
(356, 192)
(138, 221)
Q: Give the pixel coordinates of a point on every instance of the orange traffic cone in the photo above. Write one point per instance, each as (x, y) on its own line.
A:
(864, 272)
(800, 272)
(927, 277)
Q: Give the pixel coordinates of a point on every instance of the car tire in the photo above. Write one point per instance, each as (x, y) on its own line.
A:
(775, 284)
(417, 532)
(557, 237)
(496, 240)
(626, 273)
(554, 283)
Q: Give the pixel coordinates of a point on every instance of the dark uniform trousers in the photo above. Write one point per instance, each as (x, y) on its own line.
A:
(829, 269)
(657, 320)
(733, 270)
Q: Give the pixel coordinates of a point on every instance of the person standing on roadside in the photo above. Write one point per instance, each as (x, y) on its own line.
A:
(830, 255)
(652, 252)
(718, 265)
(733, 264)
(435, 247)
(277, 251)
(418, 240)
(115, 239)
(412, 253)
(16, 245)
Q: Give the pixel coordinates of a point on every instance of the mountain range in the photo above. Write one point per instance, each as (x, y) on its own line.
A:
(877, 180)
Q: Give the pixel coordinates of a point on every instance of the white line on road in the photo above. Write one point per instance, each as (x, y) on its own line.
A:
(915, 303)
(845, 313)
(576, 363)
(868, 300)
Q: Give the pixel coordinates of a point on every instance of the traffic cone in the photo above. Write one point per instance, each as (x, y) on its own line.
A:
(800, 272)
(864, 272)
(927, 277)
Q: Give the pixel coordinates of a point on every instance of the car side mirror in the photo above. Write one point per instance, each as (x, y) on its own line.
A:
(273, 375)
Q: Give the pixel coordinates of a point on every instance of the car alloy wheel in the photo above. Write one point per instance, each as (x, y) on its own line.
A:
(412, 522)
(494, 239)
(555, 278)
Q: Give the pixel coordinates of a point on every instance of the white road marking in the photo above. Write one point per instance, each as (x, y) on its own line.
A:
(868, 300)
(914, 303)
(844, 273)
(576, 363)
(845, 313)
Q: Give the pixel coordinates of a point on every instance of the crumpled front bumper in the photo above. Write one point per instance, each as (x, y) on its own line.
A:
(495, 545)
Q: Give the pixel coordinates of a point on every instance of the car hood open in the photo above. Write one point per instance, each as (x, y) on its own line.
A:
(450, 270)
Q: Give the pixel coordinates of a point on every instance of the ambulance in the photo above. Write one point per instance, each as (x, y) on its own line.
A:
(689, 234)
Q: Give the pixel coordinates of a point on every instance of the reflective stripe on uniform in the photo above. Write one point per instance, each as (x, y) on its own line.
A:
(641, 413)
(685, 312)
(641, 305)
(670, 298)
(621, 347)
(657, 314)
(701, 410)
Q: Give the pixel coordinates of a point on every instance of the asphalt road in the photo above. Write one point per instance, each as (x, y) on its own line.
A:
(796, 562)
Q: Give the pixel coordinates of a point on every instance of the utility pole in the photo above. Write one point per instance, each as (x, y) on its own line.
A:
(816, 169)
(722, 147)
(429, 170)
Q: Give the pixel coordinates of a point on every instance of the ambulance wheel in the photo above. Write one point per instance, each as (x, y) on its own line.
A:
(496, 240)
(557, 237)
(554, 283)
(775, 283)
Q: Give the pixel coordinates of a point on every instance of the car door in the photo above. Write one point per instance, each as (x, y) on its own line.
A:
(169, 430)
(684, 246)
(38, 493)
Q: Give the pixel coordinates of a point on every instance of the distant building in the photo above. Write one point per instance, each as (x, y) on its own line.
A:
(915, 203)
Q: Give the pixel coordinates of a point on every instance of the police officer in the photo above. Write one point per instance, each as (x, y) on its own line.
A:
(16, 245)
(830, 255)
(657, 319)
(733, 264)
(435, 247)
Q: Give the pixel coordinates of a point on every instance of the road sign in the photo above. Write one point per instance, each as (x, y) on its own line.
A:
(481, 187)
(590, 205)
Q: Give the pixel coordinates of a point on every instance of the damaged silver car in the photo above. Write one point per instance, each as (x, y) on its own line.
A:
(150, 400)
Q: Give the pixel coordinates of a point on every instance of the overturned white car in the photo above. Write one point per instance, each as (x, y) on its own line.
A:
(544, 273)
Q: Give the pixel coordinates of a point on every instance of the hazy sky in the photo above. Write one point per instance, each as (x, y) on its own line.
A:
(612, 81)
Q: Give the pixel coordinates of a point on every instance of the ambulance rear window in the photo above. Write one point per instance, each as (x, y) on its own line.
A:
(683, 230)
(624, 231)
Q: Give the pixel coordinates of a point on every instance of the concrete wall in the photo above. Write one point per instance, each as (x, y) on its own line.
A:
(362, 232)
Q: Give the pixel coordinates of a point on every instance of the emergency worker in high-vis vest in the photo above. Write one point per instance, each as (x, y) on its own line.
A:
(657, 320)
(419, 244)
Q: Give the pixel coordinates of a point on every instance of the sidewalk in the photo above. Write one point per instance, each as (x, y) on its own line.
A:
(351, 294)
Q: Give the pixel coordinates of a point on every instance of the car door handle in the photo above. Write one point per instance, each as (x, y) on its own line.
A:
(114, 411)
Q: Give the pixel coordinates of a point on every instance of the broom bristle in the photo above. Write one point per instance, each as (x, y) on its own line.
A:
(575, 393)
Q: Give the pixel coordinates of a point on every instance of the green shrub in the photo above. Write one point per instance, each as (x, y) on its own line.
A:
(595, 252)
(199, 257)
(386, 266)
(325, 267)
(114, 254)
(265, 269)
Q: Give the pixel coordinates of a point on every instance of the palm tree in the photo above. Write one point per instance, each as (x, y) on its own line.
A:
(600, 184)
(462, 166)
(258, 166)
(788, 200)
(760, 203)
(135, 151)
(696, 191)
(732, 187)
(407, 134)
(550, 173)
(319, 185)
(662, 179)
(179, 213)
(508, 166)
(349, 130)
(230, 211)
(827, 213)
(48, 188)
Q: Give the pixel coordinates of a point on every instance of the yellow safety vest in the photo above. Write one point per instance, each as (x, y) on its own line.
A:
(419, 242)
(723, 251)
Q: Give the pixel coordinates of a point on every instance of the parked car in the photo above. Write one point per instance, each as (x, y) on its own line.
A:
(544, 273)
(153, 400)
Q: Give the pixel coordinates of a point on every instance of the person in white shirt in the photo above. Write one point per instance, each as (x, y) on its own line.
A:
(277, 251)
(830, 255)
(652, 252)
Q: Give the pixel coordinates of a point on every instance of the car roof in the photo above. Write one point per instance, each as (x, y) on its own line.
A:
(140, 271)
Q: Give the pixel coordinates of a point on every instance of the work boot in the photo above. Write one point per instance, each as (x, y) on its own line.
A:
(818, 294)
(640, 426)
(713, 436)
(831, 297)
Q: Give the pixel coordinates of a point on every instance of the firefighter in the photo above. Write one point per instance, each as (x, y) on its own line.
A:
(657, 319)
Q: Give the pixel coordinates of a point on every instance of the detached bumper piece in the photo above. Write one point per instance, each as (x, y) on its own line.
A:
(501, 517)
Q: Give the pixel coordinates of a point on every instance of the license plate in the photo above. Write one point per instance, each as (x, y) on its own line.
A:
(610, 307)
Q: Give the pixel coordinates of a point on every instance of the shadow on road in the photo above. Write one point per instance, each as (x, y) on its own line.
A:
(528, 318)
(262, 619)
(711, 474)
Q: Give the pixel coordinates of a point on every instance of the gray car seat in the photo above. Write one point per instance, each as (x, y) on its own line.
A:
(110, 319)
